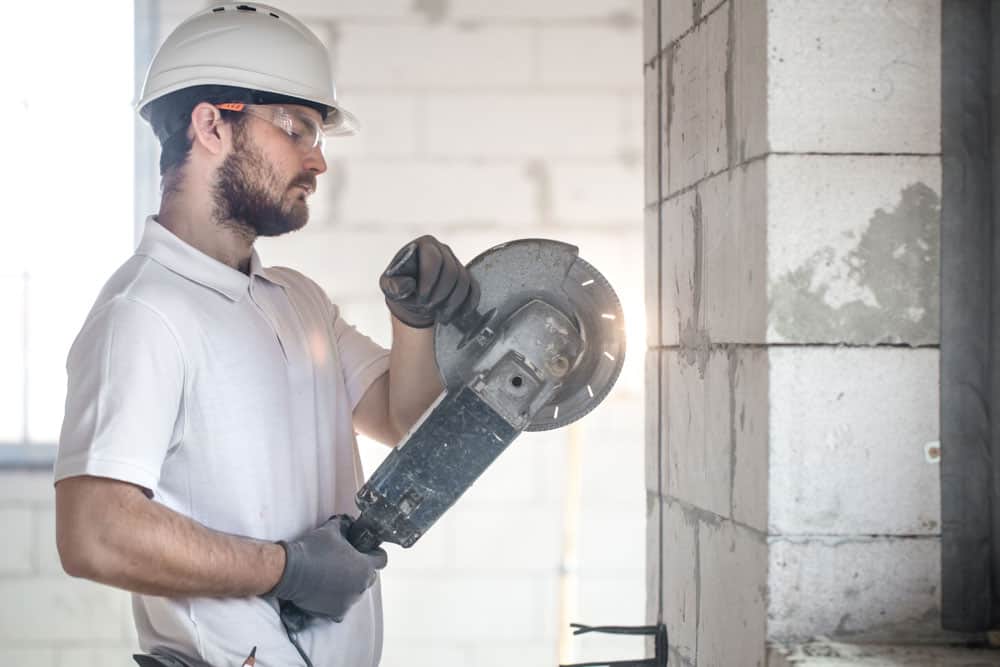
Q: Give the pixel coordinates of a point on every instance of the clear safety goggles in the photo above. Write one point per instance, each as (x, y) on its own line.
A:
(305, 132)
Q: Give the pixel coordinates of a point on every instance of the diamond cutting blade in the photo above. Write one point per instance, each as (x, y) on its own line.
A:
(510, 275)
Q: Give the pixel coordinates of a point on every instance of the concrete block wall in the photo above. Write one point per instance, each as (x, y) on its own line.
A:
(791, 224)
(48, 619)
(482, 122)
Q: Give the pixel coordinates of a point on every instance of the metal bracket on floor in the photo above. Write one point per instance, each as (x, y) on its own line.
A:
(657, 631)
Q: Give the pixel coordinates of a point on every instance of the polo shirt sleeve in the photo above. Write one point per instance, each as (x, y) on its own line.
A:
(363, 360)
(124, 396)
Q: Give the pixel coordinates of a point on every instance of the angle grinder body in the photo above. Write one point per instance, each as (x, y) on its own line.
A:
(544, 347)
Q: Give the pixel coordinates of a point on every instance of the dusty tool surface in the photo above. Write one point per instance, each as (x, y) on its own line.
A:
(544, 348)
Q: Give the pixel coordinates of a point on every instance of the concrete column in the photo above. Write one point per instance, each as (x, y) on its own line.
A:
(792, 359)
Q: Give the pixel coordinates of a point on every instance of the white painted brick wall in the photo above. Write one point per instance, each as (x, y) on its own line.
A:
(626, 11)
(391, 125)
(483, 606)
(48, 619)
(72, 610)
(537, 125)
(593, 194)
(16, 556)
(588, 56)
(303, 9)
(26, 657)
(419, 57)
(424, 193)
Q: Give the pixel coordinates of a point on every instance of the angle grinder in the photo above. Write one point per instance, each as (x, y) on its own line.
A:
(544, 347)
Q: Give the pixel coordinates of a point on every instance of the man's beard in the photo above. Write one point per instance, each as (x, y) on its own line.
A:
(249, 197)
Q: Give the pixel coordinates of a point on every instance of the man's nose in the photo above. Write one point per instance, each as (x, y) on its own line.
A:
(315, 161)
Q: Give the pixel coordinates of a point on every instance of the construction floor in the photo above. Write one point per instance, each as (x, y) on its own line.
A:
(834, 654)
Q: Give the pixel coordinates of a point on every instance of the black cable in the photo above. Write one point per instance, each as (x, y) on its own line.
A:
(293, 620)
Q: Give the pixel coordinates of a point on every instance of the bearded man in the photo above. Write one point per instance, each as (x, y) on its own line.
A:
(207, 461)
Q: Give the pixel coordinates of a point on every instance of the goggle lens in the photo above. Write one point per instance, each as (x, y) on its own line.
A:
(305, 132)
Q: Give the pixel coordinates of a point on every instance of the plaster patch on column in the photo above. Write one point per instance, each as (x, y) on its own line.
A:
(885, 289)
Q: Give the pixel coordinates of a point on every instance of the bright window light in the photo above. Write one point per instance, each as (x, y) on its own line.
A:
(66, 127)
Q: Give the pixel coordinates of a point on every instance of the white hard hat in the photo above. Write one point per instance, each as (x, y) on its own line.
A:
(250, 46)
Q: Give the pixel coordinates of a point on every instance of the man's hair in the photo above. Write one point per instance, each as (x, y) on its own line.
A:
(170, 117)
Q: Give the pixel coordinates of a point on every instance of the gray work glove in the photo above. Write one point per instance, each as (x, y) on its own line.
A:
(324, 574)
(425, 284)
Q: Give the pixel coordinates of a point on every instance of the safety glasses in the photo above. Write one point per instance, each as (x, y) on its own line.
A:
(305, 132)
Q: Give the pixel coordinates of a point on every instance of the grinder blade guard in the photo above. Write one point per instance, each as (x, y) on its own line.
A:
(544, 347)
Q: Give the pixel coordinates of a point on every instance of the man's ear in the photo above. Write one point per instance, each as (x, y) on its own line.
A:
(207, 128)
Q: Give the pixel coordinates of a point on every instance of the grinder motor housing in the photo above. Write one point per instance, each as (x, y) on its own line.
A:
(547, 350)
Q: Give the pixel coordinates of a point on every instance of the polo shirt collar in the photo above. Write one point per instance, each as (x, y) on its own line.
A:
(164, 247)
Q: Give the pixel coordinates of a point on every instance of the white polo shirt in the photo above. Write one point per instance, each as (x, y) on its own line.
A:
(229, 397)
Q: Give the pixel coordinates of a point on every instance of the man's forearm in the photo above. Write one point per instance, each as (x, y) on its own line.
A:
(414, 379)
(110, 532)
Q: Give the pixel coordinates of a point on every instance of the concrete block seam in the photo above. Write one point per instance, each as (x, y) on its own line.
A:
(723, 345)
(833, 539)
(702, 515)
(699, 20)
(763, 156)
(693, 186)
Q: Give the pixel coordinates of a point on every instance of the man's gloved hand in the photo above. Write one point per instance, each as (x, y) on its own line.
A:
(425, 284)
(324, 574)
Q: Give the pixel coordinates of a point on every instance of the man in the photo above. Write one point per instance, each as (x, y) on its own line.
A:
(209, 434)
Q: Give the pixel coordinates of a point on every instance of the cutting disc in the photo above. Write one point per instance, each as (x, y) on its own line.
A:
(512, 274)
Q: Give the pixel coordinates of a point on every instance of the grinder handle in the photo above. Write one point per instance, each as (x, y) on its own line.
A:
(363, 535)
(406, 264)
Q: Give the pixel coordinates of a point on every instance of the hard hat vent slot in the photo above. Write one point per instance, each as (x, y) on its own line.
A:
(274, 15)
(219, 9)
(246, 8)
